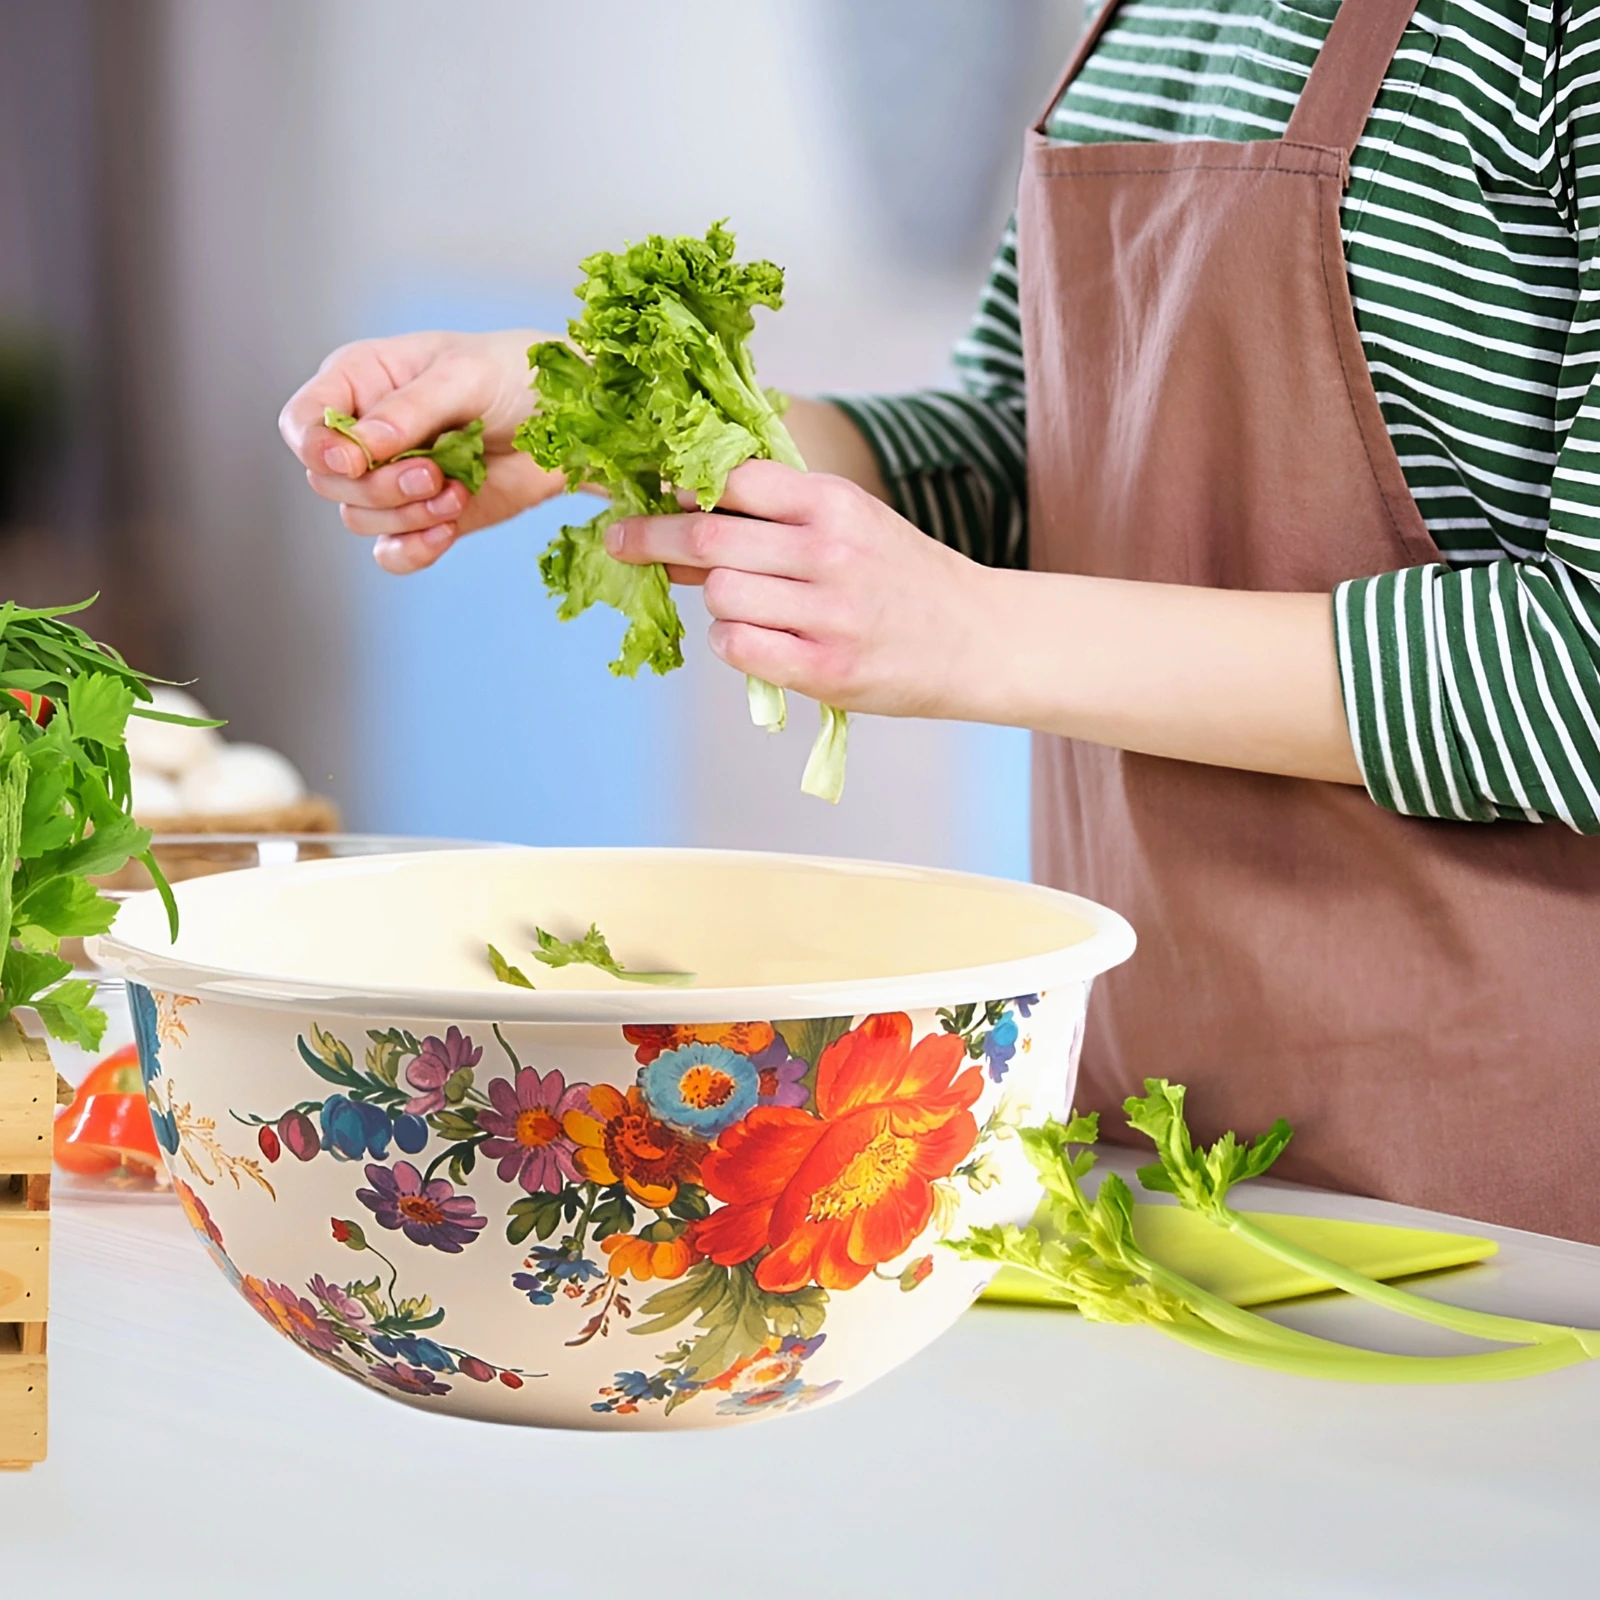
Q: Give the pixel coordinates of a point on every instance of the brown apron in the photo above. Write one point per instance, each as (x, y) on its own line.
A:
(1420, 999)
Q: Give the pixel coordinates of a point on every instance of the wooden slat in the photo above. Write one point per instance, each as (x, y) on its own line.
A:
(29, 1091)
(15, 1045)
(24, 1264)
(24, 1402)
(27, 1102)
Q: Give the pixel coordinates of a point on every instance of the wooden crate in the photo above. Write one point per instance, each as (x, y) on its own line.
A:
(27, 1109)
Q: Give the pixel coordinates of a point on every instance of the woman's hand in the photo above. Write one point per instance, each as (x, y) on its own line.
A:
(406, 391)
(820, 587)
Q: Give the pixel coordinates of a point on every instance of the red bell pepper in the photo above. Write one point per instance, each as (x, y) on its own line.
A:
(38, 706)
(108, 1123)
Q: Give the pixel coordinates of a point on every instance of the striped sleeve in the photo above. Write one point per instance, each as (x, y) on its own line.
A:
(954, 459)
(1474, 694)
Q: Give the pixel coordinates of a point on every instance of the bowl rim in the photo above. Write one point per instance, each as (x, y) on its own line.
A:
(1110, 942)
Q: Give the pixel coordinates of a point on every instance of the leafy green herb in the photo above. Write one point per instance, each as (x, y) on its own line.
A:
(506, 973)
(1091, 1259)
(65, 807)
(666, 400)
(458, 453)
(593, 951)
(589, 951)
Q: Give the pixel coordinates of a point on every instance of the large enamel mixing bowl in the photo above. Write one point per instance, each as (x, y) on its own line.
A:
(597, 1202)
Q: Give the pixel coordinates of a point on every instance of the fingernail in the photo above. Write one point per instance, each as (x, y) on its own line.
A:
(437, 538)
(416, 481)
(442, 505)
(380, 437)
(614, 539)
(338, 458)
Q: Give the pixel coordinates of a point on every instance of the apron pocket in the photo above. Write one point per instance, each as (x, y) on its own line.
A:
(1268, 73)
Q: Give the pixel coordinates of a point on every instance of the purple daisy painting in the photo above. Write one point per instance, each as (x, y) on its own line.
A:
(428, 1213)
(527, 1132)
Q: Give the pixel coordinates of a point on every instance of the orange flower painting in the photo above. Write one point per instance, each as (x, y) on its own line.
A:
(643, 1257)
(831, 1196)
(618, 1141)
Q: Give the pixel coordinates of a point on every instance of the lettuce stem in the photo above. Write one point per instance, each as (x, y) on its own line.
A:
(769, 706)
(824, 774)
(825, 766)
(782, 445)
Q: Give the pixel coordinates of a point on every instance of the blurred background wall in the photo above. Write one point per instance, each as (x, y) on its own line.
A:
(200, 198)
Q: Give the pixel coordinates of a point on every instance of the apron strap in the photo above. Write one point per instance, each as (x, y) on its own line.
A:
(1348, 73)
(1091, 37)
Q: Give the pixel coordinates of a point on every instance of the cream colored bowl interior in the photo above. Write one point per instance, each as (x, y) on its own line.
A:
(788, 935)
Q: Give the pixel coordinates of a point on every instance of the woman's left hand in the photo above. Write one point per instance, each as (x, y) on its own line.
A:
(819, 587)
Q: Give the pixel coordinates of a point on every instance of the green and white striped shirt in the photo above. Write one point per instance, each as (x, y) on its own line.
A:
(1472, 233)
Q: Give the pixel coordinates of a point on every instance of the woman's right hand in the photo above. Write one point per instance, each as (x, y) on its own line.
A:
(405, 392)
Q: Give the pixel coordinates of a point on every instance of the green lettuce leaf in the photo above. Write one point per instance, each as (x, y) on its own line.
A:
(457, 453)
(657, 392)
(577, 569)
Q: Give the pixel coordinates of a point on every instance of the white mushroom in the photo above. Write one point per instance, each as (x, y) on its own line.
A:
(241, 778)
(168, 748)
(154, 795)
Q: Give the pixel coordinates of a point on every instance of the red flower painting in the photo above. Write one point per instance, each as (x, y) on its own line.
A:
(830, 1196)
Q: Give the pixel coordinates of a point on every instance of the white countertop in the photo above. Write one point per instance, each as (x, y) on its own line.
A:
(1026, 1453)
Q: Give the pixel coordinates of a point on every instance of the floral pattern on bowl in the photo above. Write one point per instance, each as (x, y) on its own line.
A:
(720, 1193)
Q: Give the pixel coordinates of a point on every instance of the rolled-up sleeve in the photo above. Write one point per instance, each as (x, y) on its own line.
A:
(1474, 693)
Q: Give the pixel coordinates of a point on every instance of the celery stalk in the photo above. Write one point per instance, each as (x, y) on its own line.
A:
(1522, 1361)
(1258, 1342)
(1093, 1262)
(1459, 1319)
(1202, 1179)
